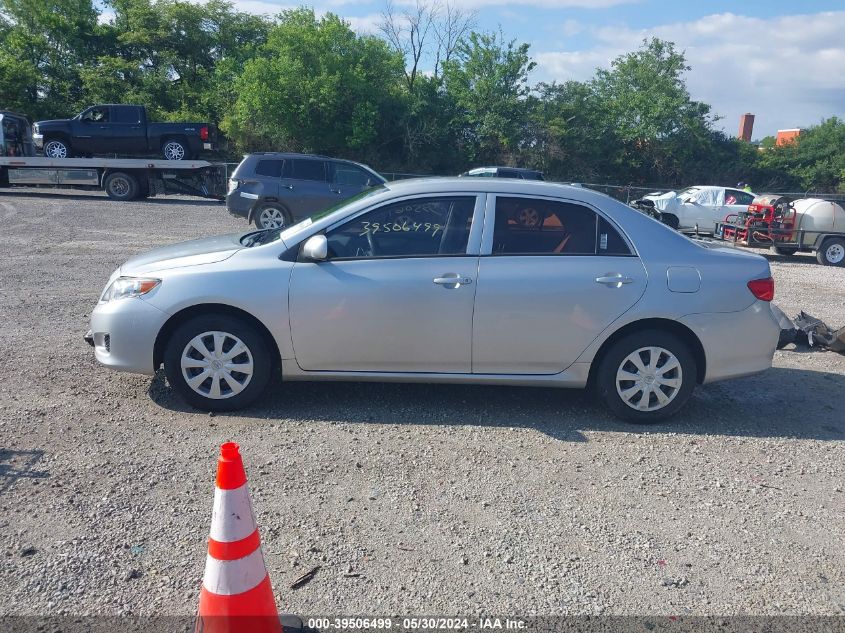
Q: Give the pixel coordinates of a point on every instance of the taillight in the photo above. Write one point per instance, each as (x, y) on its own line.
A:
(763, 289)
(203, 133)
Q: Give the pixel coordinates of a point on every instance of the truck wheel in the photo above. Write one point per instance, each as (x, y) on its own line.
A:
(121, 186)
(832, 252)
(670, 220)
(784, 250)
(174, 150)
(646, 376)
(54, 148)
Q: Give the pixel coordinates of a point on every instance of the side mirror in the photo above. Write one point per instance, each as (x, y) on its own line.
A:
(316, 248)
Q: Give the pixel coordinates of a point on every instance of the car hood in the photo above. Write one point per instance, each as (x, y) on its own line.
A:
(51, 122)
(664, 201)
(194, 253)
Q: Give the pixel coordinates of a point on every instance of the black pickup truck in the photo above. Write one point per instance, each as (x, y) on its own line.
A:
(120, 129)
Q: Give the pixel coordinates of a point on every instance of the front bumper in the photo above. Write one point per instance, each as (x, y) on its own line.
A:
(736, 344)
(123, 333)
(38, 140)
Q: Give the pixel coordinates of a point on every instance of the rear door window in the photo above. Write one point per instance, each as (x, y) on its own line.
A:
(269, 167)
(533, 226)
(307, 169)
(126, 114)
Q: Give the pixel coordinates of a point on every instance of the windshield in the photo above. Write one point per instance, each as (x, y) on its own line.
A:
(304, 224)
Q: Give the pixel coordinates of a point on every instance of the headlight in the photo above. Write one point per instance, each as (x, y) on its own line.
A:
(125, 287)
(233, 184)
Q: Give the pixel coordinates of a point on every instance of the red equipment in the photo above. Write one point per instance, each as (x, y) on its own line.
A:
(769, 218)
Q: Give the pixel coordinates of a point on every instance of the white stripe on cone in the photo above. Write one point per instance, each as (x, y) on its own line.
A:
(231, 515)
(230, 577)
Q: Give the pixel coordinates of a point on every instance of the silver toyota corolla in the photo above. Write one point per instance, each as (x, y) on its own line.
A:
(446, 280)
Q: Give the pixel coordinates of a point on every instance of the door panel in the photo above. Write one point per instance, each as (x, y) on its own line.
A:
(383, 315)
(535, 315)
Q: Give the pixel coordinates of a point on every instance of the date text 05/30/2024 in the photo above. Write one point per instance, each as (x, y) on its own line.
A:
(417, 623)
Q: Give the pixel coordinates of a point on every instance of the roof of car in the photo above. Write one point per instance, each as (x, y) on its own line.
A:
(522, 169)
(491, 185)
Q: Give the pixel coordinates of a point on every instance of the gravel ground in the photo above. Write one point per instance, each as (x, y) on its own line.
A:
(411, 499)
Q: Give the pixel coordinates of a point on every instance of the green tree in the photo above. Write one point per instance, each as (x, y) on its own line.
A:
(815, 160)
(316, 86)
(487, 79)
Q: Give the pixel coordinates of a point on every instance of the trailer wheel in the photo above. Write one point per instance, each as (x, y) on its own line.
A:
(121, 186)
(670, 220)
(832, 252)
(784, 250)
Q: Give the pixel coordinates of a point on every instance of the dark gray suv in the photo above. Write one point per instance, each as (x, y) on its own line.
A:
(275, 189)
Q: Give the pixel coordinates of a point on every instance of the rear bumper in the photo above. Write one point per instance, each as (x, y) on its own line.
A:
(240, 203)
(736, 343)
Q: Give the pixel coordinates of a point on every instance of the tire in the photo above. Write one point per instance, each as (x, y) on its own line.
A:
(172, 149)
(670, 220)
(270, 216)
(784, 250)
(243, 388)
(832, 252)
(121, 186)
(56, 148)
(617, 360)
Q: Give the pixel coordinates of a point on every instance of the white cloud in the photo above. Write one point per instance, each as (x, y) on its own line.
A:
(787, 70)
(365, 25)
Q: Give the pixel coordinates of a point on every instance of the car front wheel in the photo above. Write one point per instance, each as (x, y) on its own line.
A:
(217, 362)
(54, 148)
(646, 376)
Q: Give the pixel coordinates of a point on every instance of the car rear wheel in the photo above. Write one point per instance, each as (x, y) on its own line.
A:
(217, 362)
(646, 376)
(174, 150)
(832, 252)
(270, 216)
(54, 148)
(121, 186)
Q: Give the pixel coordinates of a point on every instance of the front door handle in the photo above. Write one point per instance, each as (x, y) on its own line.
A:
(288, 187)
(614, 280)
(452, 280)
(335, 190)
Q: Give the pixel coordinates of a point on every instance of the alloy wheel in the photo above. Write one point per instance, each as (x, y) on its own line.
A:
(55, 149)
(217, 365)
(174, 151)
(272, 218)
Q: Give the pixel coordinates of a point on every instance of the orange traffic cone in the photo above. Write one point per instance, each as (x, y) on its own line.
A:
(236, 594)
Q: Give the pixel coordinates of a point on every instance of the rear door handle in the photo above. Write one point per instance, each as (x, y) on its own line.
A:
(615, 280)
(453, 280)
(288, 187)
(335, 190)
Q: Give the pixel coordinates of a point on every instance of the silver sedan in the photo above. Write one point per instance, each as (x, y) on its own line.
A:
(446, 280)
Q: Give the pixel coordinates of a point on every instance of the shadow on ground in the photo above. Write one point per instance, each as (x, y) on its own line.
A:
(49, 194)
(781, 402)
(16, 464)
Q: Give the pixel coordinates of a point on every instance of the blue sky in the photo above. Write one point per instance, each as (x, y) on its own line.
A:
(783, 61)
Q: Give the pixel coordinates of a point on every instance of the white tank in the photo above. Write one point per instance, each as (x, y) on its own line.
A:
(816, 217)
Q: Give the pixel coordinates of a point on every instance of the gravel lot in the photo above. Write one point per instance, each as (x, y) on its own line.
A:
(412, 499)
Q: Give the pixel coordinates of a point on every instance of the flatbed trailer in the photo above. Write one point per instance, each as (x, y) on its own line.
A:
(120, 178)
